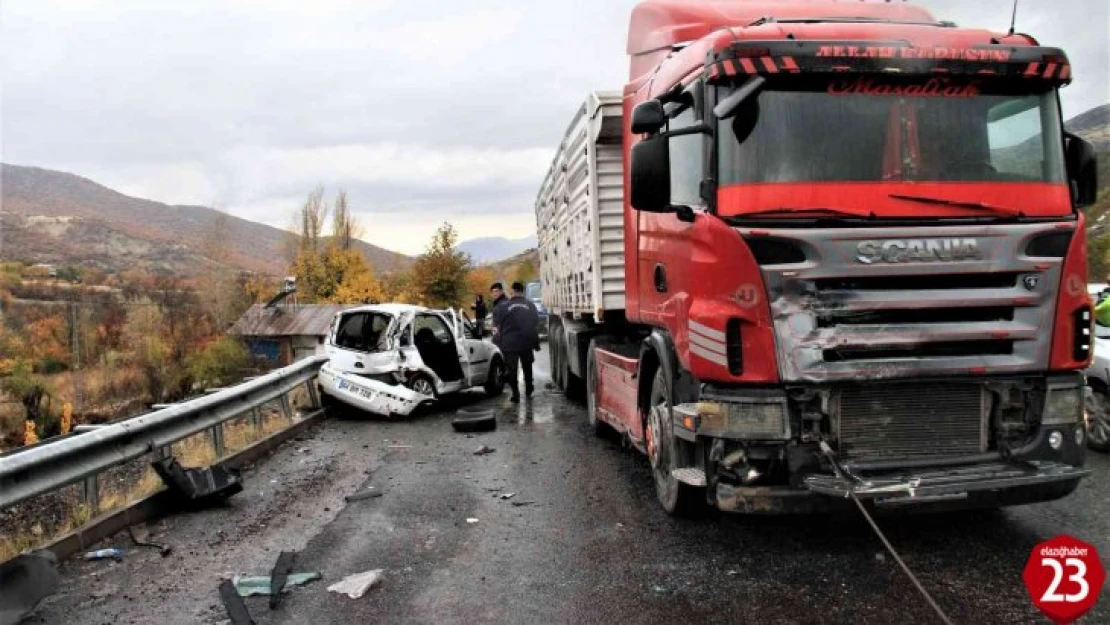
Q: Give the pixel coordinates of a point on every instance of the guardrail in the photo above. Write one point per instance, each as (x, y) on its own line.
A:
(81, 457)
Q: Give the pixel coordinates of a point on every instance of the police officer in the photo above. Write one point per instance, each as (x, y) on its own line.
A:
(516, 332)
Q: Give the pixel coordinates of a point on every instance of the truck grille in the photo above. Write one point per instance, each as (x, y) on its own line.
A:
(840, 320)
(911, 421)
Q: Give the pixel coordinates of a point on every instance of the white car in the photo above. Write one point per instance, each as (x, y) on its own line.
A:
(393, 358)
(1098, 385)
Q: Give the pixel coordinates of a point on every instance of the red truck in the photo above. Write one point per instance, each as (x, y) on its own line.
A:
(822, 249)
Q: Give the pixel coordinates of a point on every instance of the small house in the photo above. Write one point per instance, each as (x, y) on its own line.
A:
(284, 334)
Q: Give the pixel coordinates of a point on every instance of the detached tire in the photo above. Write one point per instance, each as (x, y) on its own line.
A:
(474, 421)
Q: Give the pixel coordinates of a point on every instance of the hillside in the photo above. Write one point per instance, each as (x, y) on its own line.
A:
(492, 249)
(56, 217)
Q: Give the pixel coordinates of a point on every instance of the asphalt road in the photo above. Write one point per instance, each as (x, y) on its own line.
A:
(581, 541)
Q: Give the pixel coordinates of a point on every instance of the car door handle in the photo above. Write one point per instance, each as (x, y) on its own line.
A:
(359, 365)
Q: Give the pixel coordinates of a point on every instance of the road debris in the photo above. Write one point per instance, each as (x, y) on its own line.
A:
(282, 568)
(368, 493)
(198, 486)
(472, 520)
(483, 450)
(507, 495)
(250, 585)
(354, 586)
(164, 550)
(474, 420)
(519, 504)
(25, 581)
(233, 603)
(304, 450)
(104, 554)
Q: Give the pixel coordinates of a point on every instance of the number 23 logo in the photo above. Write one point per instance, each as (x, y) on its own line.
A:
(1051, 594)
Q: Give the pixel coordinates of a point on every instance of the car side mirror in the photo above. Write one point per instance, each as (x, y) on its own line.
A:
(651, 175)
(648, 117)
(1082, 164)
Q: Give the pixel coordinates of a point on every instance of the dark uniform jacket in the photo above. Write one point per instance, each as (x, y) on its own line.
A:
(517, 325)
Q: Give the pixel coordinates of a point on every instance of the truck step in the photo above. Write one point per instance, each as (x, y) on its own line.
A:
(693, 477)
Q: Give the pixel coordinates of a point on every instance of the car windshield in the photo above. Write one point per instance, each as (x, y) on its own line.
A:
(533, 290)
(865, 129)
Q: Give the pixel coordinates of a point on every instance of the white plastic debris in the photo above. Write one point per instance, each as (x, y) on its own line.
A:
(507, 495)
(354, 586)
(472, 520)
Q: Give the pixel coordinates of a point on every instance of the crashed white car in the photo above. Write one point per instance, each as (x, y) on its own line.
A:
(391, 359)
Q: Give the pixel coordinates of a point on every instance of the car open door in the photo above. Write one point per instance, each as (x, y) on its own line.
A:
(461, 346)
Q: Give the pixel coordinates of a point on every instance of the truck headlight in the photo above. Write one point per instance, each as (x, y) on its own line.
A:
(1062, 406)
(745, 419)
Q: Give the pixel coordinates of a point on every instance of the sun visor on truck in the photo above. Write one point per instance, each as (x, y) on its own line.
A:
(890, 58)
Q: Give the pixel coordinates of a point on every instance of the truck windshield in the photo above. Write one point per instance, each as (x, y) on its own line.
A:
(532, 291)
(872, 130)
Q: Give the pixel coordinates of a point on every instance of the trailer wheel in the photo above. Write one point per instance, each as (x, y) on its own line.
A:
(667, 453)
(599, 426)
(555, 346)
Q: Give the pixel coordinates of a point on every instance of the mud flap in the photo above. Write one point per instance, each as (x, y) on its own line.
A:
(374, 396)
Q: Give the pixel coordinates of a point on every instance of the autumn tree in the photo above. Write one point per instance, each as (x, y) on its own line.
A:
(479, 280)
(345, 229)
(440, 273)
(526, 272)
(28, 389)
(313, 282)
(357, 283)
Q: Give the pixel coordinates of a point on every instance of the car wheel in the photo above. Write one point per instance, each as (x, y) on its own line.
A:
(1098, 420)
(422, 384)
(495, 381)
(667, 453)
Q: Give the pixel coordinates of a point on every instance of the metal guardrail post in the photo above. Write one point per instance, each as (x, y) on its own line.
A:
(313, 394)
(286, 409)
(164, 452)
(90, 493)
(256, 418)
(216, 433)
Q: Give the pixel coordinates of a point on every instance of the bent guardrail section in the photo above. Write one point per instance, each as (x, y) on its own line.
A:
(81, 457)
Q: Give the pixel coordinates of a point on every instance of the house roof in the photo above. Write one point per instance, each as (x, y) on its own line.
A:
(302, 320)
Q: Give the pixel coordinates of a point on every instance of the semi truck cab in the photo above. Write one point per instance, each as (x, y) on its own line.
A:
(846, 225)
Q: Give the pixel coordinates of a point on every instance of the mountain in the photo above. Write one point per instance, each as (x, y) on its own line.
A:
(1094, 126)
(54, 217)
(490, 249)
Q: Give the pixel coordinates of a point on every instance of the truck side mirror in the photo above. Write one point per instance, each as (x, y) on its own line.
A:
(648, 117)
(1082, 167)
(651, 175)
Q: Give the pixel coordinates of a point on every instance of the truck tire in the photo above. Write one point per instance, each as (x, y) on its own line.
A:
(667, 453)
(555, 346)
(600, 427)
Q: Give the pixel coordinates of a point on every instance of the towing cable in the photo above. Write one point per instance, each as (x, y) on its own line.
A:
(844, 474)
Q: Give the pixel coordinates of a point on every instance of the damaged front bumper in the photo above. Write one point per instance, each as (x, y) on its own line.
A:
(370, 395)
(945, 484)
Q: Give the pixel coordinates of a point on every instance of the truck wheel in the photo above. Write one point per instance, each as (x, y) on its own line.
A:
(1098, 420)
(554, 352)
(599, 426)
(495, 381)
(667, 453)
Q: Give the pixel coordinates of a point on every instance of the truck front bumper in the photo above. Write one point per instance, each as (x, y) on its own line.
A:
(980, 486)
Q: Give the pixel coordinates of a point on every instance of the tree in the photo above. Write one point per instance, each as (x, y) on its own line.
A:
(345, 229)
(357, 283)
(440, 273)
(48, 345)
(28, 389)
(479, 280)
(526, 272)
(307, 263)
(221, 362)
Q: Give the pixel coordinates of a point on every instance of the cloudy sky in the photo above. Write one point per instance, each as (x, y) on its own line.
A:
(424, 111)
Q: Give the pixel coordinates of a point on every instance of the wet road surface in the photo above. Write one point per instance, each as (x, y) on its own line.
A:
(582, 540)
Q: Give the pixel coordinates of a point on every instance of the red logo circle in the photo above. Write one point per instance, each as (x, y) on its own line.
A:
(1064, 577)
